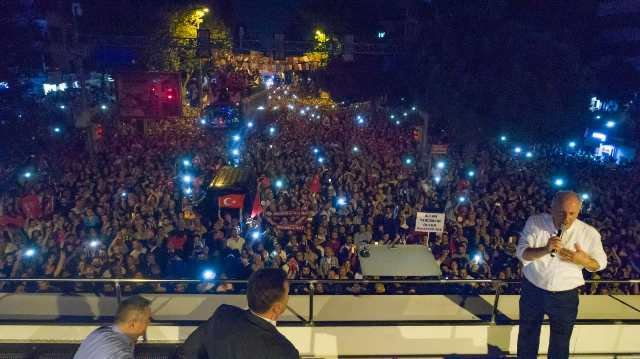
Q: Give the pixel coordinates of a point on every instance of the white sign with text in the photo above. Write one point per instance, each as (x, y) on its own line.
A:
(430, 222)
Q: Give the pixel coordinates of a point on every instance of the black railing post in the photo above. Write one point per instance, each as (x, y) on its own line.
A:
(312, 289)
(118, 292)
(496, 300)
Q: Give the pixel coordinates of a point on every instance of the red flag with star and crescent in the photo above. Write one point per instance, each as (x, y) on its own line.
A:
(231, 201)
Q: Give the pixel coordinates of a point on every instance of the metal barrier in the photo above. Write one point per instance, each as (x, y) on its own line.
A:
(495, 285)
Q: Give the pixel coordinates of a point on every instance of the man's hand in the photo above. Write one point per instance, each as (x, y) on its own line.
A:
(554, 243)
(578, 257)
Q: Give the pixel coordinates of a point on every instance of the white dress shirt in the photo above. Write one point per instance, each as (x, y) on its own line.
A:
(552, 273)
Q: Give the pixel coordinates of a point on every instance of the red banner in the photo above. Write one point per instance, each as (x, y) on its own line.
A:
(294, 220)
(231, 201)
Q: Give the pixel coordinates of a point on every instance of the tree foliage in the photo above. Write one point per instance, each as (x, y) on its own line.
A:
(173, 45)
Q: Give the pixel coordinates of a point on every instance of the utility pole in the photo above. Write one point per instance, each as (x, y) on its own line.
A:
(425, 147)
(84, 119)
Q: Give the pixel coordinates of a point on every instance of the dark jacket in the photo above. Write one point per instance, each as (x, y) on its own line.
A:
(234, 333)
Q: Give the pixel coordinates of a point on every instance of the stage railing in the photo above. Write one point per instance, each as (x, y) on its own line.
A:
(494, 284)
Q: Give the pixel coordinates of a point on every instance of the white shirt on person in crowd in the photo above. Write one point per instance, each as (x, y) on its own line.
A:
(552, 273)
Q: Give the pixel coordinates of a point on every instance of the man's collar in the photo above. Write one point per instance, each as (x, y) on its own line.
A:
(272, 322)
(118, 330)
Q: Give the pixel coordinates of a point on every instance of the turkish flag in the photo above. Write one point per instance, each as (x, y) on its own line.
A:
(257, 206)
(30, 205)
(231, 201)
(315, 184)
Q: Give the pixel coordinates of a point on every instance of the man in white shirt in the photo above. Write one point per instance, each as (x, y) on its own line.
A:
(554, 248)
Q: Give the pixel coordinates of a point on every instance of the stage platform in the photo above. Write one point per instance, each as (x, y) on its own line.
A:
(341, 326)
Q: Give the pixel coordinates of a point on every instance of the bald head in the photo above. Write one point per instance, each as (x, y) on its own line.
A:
(565, 208)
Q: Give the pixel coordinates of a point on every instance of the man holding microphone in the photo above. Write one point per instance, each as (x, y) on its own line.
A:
(554, 248)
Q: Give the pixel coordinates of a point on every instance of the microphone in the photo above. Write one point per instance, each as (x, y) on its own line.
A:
(558, 234)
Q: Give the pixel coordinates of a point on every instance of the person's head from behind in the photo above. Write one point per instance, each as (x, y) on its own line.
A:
(268, 292)
(565, 208)
(133, 316)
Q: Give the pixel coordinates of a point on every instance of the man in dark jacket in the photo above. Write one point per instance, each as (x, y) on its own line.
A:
(234, 333)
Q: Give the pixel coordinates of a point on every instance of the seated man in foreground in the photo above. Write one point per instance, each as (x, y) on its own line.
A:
(117, 341)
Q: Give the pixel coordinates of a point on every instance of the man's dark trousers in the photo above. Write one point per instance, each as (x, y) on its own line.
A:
(562, 309)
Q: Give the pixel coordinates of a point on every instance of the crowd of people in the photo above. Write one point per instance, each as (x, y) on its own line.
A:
(329, 185)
